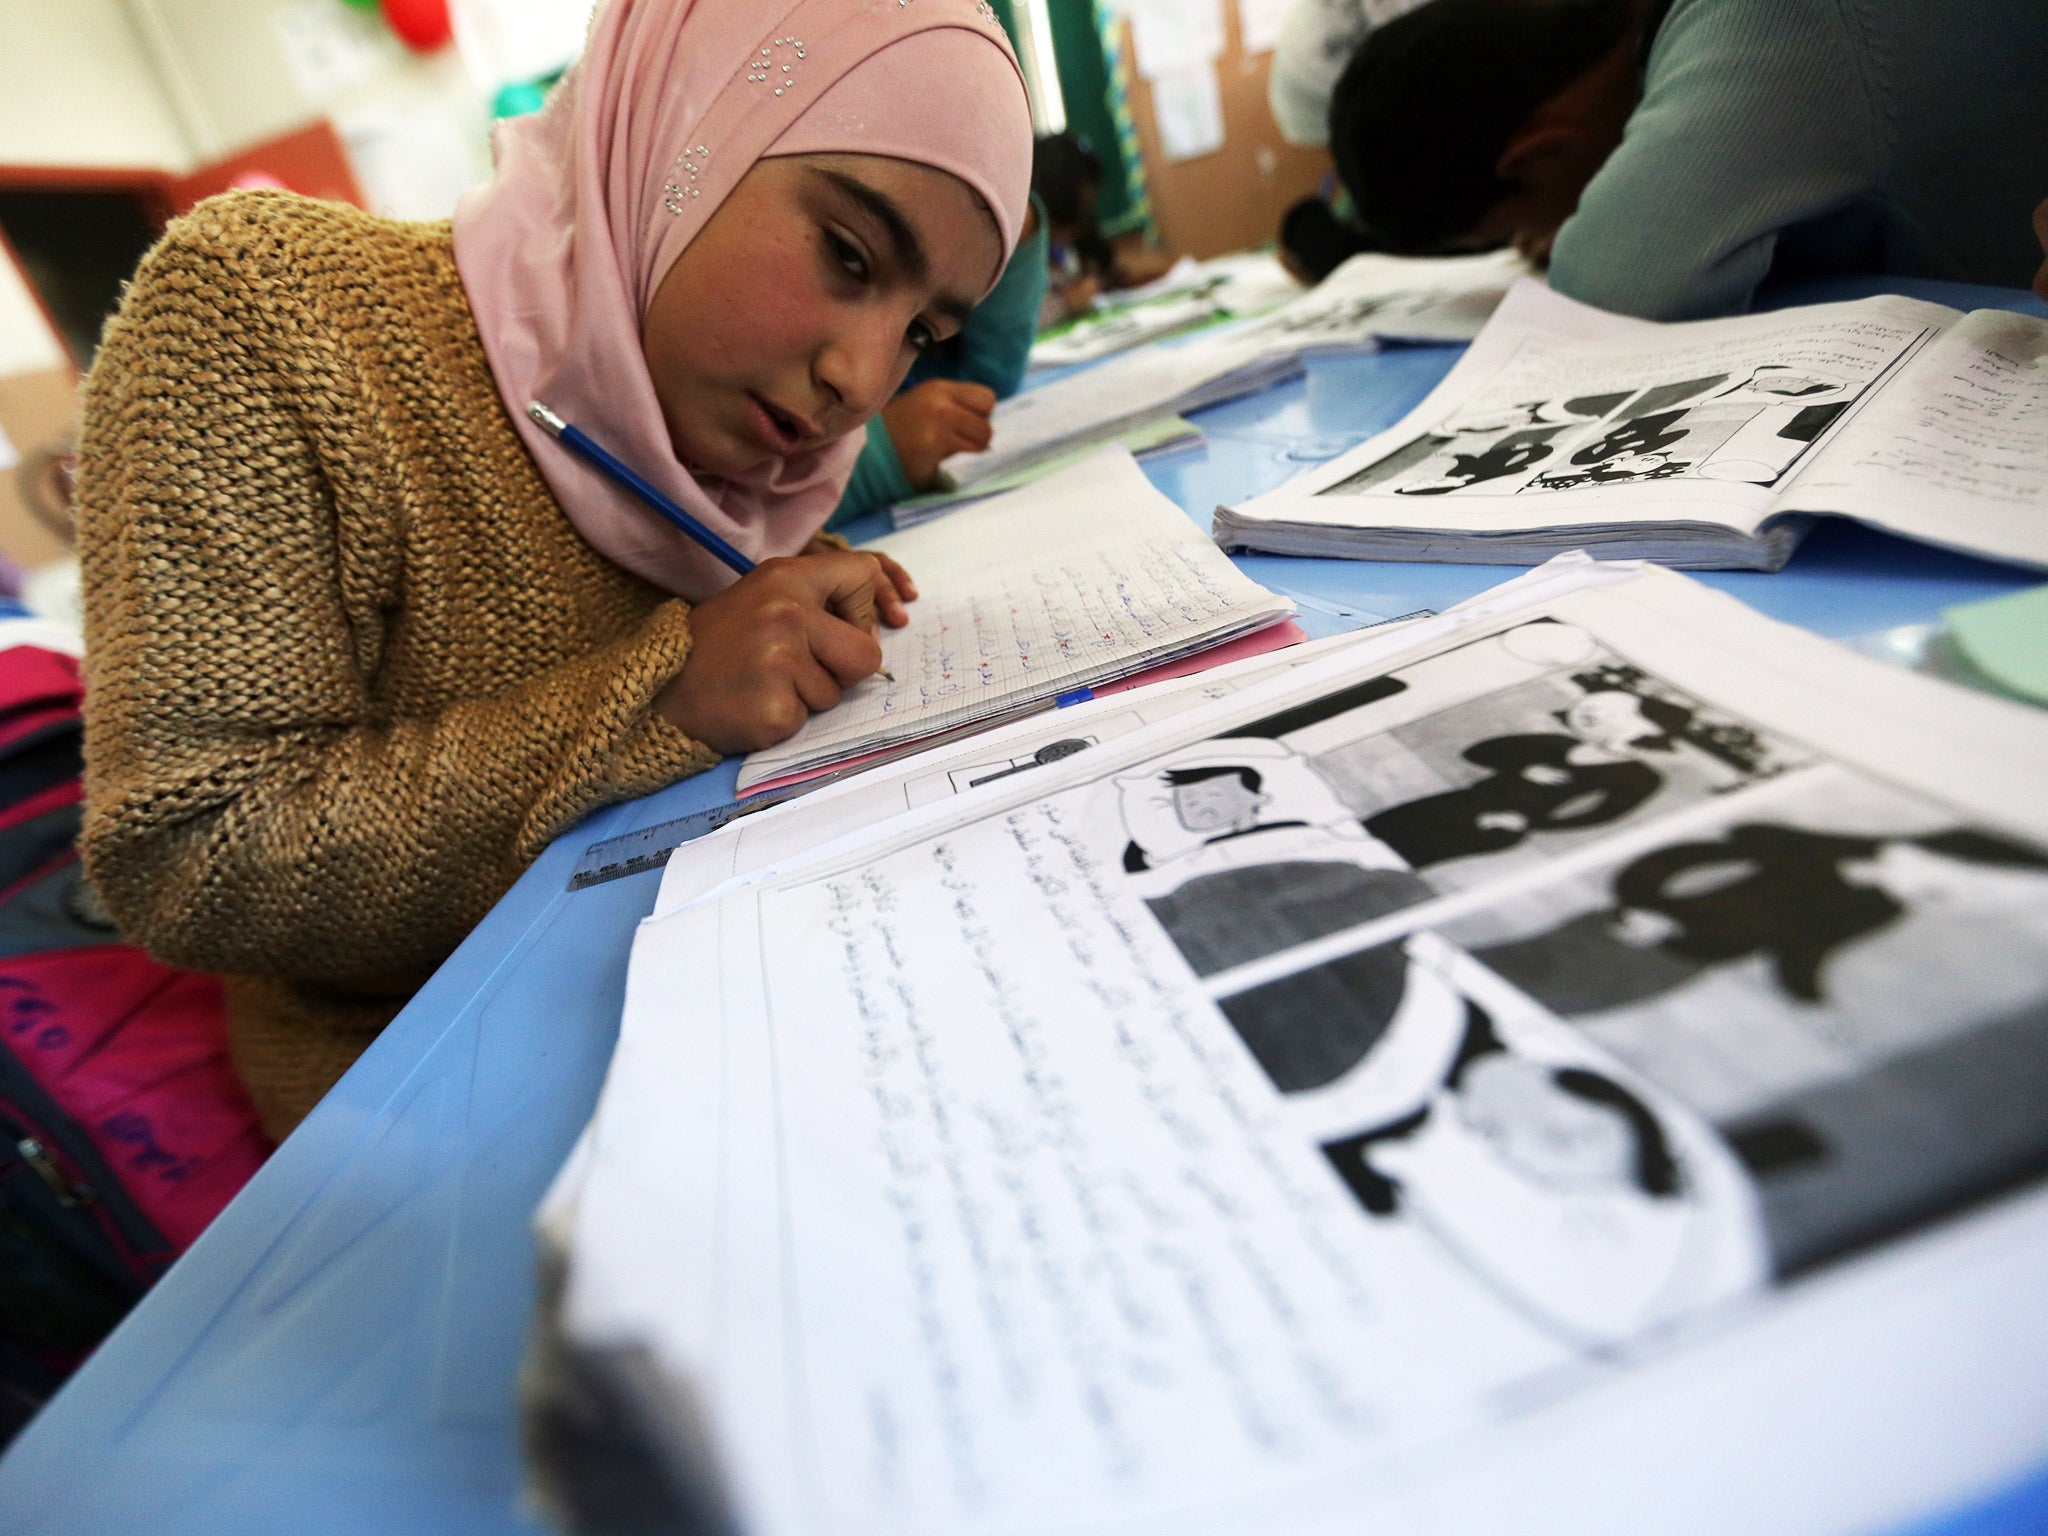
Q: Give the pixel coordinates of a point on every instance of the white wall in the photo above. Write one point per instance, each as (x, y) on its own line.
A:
(248, 70)
(76, 88)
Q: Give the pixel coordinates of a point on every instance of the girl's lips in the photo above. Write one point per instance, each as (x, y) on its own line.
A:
(777, 431)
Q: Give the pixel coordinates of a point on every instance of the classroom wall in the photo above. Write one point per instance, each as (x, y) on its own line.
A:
(77, 88)
(416, 126)
(1232, 198)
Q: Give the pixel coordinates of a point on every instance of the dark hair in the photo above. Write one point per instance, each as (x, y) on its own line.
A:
(1062, 166)
(1316, 238)
(1656, 1169)
(1422, 113)
(1179, 778)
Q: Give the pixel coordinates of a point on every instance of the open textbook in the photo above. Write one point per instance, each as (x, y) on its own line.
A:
(1146, 441)
(1709, 444)
(1541, 1068)
(1366, 299)
(1078, 579)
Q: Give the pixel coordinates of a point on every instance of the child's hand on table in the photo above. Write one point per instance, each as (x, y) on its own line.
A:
(782, 643)
(931, 423)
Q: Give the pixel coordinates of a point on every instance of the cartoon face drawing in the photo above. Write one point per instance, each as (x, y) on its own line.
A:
(1221, 799)
(1219, 792)
(1565, 1129)
(1613, 721)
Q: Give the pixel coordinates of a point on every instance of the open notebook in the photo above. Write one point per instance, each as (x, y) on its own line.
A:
(1710, 444)
(1369, 298)
(1080, 578)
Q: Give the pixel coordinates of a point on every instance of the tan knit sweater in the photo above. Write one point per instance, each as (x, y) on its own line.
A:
(349, 669)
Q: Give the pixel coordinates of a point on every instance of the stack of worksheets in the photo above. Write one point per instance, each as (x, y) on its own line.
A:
(1145, 441)
(1195, 294)
(1708, 444)
(1576, 1063)
(1078, 579)
(1369, 298)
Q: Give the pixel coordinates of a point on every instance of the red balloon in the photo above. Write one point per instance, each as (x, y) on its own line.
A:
(423, 24)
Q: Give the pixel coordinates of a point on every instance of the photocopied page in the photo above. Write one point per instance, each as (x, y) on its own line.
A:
(1563, 425)
(997, 756)
(1369, 297)
(1085, 576)
(1955, 450)
(1349, 1076)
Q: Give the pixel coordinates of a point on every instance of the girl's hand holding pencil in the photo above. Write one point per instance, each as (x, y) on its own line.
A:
(784, 641)
(780, 644)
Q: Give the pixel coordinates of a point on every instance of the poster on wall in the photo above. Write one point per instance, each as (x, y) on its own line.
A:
(1187, 104)
(1173, 37)
(1259, 23)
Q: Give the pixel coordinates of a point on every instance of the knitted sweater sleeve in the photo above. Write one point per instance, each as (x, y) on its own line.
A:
(1755, 117)
(250, 807)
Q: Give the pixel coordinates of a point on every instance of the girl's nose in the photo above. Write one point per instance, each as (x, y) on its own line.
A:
(860, 366)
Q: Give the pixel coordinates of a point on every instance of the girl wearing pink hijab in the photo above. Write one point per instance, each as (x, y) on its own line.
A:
(361, 639)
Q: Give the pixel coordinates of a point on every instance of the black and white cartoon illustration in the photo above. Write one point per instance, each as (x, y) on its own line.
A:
(1854, 989)
(1588, 1203)
(1576, 742)
(1242, 851)
(1489, 442)
(1312, 1027)
(1783, 895)
(1219, 791)
(1748, 423)
(1051, 752)
(1386, 793)
(1533, 783)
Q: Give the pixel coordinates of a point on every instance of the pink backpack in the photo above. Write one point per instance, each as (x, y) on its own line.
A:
(123, 1128)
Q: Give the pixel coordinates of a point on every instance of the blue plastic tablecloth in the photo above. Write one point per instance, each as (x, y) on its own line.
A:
(338, 1353)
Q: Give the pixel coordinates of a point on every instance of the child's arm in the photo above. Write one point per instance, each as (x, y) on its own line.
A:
(261, 796)
(994, 347)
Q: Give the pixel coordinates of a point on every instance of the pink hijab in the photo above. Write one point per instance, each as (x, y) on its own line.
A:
(599, 192)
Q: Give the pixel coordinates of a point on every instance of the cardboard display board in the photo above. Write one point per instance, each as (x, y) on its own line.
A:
(1232, 198)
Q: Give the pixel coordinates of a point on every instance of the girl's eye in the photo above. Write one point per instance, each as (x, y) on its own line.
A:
(846, 255)
(921, 337)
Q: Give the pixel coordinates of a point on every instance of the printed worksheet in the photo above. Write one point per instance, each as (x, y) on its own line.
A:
(1276, 1115)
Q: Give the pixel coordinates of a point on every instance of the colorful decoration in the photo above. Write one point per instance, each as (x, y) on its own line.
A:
(422, 24)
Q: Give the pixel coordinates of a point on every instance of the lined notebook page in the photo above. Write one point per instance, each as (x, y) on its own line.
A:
(1079, 578)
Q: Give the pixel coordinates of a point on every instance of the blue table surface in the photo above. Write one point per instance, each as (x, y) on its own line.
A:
(338, 1352)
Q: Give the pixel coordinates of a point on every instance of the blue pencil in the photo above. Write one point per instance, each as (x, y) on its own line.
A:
(584, 444)
(587, 446)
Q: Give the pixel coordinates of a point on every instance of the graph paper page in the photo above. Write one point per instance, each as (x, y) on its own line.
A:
(1079, 578)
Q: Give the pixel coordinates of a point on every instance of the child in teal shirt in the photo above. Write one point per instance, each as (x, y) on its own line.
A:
(944, 406)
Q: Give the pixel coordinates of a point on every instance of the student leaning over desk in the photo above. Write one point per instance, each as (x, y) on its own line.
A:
(1666, 156)
(361, 639)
